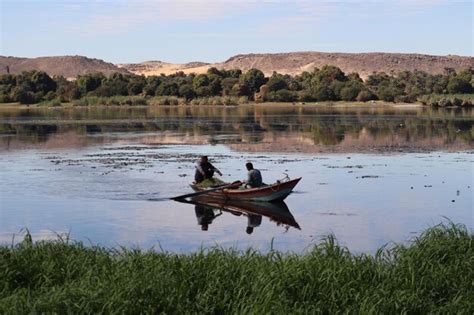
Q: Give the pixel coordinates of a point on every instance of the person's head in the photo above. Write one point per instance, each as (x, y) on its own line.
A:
(249, 230)
(204, 158)
(249, 166)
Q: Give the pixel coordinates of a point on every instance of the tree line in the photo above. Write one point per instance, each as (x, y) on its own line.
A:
(326, 84)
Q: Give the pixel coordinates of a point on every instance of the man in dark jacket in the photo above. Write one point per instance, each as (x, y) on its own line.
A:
(204, 170)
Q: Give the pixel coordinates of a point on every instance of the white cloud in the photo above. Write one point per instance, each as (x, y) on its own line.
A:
(114, 18)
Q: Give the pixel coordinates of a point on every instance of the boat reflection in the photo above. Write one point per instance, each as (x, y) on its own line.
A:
(207, 209)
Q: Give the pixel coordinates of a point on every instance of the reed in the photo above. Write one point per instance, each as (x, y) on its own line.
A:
(51, 103)
(110, 101)
(444, 100)
(432, 274)
(165, 100)
(153, 101)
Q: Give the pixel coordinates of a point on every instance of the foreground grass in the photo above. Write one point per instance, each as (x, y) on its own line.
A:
(434, 274)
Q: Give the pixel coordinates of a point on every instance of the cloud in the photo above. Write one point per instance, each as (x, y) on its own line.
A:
(117, 17)
(106, 17)
(304, 18)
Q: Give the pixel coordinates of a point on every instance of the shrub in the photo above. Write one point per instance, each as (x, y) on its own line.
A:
(282, 96)
(51, 103)
(365, 96)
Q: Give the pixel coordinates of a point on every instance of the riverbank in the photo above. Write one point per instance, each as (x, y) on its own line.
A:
(338, 104)
(433, 274)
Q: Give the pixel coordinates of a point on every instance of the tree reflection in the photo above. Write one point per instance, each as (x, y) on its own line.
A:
(323, 126)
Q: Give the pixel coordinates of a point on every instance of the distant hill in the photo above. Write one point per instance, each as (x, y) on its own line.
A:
(67, 66)
(287, 63)
(297, 62)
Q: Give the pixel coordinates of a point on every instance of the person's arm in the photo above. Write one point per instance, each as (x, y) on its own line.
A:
(216, 170)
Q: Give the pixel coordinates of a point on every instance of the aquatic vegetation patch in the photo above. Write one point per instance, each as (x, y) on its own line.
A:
(433, 274)
(210, 182)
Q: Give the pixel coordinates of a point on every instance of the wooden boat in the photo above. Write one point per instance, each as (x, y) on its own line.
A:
(277, 212)
(268, 193)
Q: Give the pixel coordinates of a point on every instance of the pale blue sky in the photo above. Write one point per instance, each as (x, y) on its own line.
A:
(212, 30)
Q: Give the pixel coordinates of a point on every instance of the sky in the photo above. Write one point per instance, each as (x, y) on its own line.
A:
(212, 30)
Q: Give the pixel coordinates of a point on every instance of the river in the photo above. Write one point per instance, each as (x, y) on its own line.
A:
(103, 175)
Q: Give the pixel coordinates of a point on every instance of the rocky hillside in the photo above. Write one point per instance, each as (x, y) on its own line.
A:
(67, 66)
(364, 63)
(297, 62)
(291, 63)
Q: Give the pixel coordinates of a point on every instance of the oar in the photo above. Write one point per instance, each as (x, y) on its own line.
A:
(203, 192)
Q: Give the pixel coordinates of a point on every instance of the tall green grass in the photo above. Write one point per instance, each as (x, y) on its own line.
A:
(434, 274)
(111, 101)
(444, 100)
(153, 101)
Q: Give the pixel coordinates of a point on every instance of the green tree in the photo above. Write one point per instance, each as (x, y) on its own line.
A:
(200, 80)
(42, 82)
(227, 85)
(23, 94)
(365, 96)
(330, 73)
(322, 92)
(253, 79)
(213, 71)
(187, 91)
(459, 84)
(276, 82)
(282, 96)
(240, 89)
(167, 89)
(7, 79)
(89, 82)
(215, 85)
(152, 83)
(386, 93)
(201, 85)
(351, 90)
(136, 85)
(354, 77)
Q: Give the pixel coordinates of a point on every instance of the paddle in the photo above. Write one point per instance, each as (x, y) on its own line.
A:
(203, 192)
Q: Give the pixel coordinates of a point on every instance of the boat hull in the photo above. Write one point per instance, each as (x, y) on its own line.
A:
(271, 193)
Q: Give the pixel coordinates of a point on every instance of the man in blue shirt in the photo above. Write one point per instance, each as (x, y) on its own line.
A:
(254, 177)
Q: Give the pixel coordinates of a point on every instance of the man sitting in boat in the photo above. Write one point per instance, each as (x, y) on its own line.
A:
(204, 170)
(254, 177)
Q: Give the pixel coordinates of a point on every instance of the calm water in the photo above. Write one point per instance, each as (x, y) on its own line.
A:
(370, 176)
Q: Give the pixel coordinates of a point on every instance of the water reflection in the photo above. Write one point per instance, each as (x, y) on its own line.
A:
(248, 128)
(208, 209)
